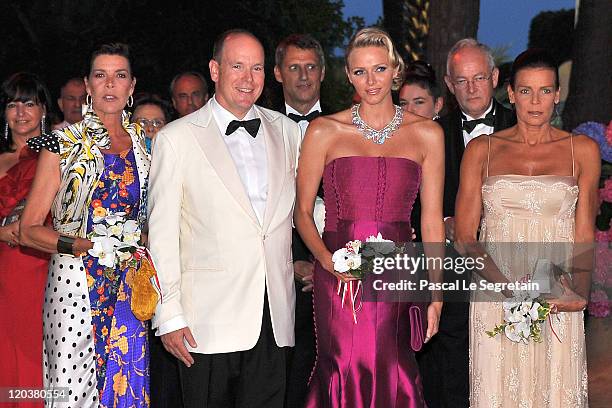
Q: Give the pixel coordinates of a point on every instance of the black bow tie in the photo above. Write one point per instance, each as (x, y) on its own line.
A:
(251, 126)
(470, 125)
(298, 118)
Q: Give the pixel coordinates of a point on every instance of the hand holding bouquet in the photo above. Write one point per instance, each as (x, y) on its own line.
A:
(115, 240)
(523, 318)
(356, 258)
(354, 261)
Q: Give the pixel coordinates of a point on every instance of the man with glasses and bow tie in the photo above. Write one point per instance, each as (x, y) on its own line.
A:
(300, 68)
(471, 76)
(221, 196)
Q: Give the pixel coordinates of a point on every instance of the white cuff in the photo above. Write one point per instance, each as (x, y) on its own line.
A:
(171, 325)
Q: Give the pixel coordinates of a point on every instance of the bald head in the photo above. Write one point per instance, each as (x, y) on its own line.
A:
(237, 68)
(472, 76)
(226, 35)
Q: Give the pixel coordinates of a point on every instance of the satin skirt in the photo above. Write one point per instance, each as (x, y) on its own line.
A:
(368, 363)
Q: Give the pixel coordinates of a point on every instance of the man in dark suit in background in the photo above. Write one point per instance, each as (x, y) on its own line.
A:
(300, 68)
(471, 76)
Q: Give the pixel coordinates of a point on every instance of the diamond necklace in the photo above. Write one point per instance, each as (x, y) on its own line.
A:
(377, 136)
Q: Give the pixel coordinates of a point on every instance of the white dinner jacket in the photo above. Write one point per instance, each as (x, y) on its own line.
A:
(213, 258)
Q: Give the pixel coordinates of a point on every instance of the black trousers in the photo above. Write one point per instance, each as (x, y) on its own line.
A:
(165, 384)
(301, 358)
(443, 362)
(253, 378)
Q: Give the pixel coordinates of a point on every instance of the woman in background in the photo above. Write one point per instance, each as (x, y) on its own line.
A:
(23, 271)
(151, 113)
(420, 92)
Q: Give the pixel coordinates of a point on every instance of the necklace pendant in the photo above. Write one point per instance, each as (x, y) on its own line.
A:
(377, 136)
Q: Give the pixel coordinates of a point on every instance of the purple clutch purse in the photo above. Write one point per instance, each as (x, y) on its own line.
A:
(418, 325)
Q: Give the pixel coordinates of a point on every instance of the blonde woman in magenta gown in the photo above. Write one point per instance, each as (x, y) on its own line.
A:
(368, 188)
(533, 184)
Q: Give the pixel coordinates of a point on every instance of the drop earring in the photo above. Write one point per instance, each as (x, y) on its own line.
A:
(436, 116)
(6, 131)
(555, 114)
(42, 124)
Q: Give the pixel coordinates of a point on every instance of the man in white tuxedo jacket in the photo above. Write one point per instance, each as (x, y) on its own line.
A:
(221, 196)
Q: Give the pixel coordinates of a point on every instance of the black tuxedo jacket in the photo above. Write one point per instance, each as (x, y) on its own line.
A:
(454, 148)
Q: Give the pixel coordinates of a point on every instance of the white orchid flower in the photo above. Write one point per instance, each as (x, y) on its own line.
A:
(131, 233)
(518, 332)
(101, 230)
(116, 229)
(512, 333)
(112, 219)
(524, 329)
(534, 312)
(104, 250)
(514, 315)
(106, 237)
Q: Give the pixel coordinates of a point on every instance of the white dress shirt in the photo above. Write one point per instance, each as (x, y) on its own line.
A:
(480, 129)
(303, 124)
(249, 155)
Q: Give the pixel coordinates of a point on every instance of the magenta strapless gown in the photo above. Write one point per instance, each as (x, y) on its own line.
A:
(370, 363)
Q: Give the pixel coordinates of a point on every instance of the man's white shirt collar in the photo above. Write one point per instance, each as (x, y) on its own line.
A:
(480, 129)
(303, 124)
(223, 117)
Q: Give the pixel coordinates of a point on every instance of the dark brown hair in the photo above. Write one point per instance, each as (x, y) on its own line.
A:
(22, 87)
(533, 58)
(120, 49)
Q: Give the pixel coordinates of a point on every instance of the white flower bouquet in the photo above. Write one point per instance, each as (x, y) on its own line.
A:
(356, 257)
(116, 243)
(115, 239)
(523, 317)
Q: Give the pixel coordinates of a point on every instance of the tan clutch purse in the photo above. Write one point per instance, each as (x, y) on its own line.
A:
(144, 295)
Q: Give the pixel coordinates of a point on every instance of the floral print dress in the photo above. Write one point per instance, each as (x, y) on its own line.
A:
(120, 339)
(94, 345)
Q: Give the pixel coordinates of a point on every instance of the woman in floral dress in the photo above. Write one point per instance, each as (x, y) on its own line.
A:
(92, 175)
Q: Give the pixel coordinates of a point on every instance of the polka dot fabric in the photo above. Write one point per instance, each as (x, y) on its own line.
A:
(48, 142)
(68, 345)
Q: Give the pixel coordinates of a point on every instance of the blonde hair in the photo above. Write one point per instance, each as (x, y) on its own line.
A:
(376, 37)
